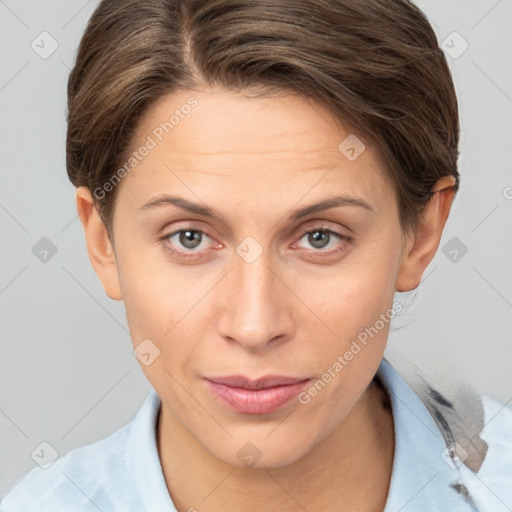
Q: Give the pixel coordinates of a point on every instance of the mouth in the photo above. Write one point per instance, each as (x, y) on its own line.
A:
(255, 396)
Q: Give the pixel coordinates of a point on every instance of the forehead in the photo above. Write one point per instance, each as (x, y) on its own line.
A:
(223, 121)
(226, 139)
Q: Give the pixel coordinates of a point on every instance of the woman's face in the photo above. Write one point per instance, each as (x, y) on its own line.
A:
(253, 288)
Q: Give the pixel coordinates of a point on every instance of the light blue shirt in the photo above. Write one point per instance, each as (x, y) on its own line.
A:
(122, 472)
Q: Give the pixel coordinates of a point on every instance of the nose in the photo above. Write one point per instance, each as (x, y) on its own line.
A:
(255, 308)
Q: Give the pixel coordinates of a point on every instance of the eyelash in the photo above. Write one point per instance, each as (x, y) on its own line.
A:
(321, 253)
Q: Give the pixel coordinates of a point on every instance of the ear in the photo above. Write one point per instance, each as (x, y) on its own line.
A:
(99, 247)
(422, 245)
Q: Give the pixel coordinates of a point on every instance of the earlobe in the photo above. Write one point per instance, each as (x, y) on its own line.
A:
(422, 246)
(100, 250)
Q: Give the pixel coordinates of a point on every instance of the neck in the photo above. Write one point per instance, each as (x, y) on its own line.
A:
(352, 467)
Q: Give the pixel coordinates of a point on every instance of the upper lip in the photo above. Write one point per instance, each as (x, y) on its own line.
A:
(268, 381)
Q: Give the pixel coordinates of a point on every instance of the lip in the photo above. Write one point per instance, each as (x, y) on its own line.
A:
(255, 396)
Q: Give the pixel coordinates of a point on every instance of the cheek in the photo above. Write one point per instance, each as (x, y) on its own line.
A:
(155, 293)
(355, 320)
(354, 295)
(350, 325)
(165, 304)
(348, 316)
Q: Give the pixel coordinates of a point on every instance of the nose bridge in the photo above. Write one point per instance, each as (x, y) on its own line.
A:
(254, 314)
(255, 276)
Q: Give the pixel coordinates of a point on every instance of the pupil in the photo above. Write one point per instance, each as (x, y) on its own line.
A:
(190, 236)
(317, 240)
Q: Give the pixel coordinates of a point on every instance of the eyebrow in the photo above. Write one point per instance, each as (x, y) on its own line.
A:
(326, 204)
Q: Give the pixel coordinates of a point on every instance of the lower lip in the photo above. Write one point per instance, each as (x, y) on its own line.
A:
(257, 401)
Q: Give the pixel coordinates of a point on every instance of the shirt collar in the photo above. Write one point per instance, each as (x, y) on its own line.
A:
(143, 460)
(424, 476)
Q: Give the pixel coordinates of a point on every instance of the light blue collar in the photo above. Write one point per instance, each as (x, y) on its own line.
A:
(425, 477)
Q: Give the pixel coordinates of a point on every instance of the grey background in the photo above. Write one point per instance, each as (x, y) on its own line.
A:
(67, 372)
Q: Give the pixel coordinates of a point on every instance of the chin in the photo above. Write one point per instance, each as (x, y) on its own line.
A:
(261, 452)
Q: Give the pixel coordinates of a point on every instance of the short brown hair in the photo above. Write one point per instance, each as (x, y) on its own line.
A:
(375, 64)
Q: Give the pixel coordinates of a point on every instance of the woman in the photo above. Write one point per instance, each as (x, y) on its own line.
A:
(255, 181)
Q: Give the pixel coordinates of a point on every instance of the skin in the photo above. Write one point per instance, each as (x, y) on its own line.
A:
(289, 312)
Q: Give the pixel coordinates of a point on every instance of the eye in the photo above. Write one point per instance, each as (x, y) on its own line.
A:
(187, 241)
(324, 241)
